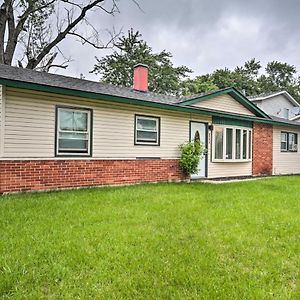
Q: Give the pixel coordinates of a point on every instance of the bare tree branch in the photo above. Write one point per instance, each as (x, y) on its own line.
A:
(87, 41)
(33, 29)
(4, 13)
(34, 62)
(138, 5)
(72, 3)
(13, 38)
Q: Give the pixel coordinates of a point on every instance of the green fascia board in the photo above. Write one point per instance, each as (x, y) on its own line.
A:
(232, 122)
(110, 98)
(235, 94)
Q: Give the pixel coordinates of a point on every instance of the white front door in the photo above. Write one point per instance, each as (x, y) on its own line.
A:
(197, 130)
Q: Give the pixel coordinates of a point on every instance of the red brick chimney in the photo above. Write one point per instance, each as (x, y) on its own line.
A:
(140, 78)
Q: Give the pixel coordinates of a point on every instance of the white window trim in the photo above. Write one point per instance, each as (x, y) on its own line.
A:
(88, 132)
(150, 143)
(233, 159)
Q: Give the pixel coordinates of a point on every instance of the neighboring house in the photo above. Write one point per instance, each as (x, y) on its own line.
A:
(62, 132)
(278, 104)
(295, 118)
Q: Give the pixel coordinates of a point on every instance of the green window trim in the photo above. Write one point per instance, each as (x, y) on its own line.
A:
(75, 138)
(288, 142)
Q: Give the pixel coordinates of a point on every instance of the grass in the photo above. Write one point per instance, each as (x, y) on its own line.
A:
(160, 241)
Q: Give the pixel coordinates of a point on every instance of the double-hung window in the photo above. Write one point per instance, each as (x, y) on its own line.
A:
(231, 144)
(289, 142)
(73, 136)
(147, 130)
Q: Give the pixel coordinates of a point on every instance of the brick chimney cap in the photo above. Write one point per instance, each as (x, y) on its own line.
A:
(140, 65)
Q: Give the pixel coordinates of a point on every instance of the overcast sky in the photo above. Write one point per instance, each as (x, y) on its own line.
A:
(203, 34)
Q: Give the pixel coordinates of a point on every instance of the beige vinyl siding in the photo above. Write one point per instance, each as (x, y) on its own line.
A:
(225, 169)
(30, 130)
(30, 127)
(1, 89)
(2, 118)
(224, 103)
(284, 162)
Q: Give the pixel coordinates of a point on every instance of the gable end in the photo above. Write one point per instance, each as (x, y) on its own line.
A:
(242, 104)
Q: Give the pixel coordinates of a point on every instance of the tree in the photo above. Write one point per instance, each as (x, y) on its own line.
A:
(32, 30)
(243, 78)
(277, 77)
(200, 84)
(117, 67)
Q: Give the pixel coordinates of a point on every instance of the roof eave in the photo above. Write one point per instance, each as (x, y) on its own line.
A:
(117, 99)
(287, 94)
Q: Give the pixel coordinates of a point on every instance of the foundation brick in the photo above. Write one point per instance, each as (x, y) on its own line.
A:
(30, 175)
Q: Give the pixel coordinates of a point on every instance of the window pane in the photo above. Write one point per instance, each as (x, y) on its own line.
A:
(71, 144)
(283, 136)
(292, 142)
(146, 136)
(283, 146)
(238, 144)
(283, 141)
(249, 144)
(73, 120)
(146, 124)
(219, 143)
(66, 120)
(80, 121)
(244, 144)
(229, 132)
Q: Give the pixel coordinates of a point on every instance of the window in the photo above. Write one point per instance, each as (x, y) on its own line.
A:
(218, 143)
(147, 130)
(249, 145)
(73, 135)
(229, 143)
(289, 142)
(238, 144)
(284, 145)
(234, 142)
(245, 144)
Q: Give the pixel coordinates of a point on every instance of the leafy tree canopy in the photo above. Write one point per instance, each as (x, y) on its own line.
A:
(164, 77)
(117, 67)
(249, 79)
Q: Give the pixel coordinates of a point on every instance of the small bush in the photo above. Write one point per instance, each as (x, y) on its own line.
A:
(191, 154)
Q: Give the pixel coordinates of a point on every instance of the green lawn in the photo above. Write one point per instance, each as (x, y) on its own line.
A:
(160, 241)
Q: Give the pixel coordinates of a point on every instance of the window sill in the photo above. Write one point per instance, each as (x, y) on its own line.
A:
(73, 155)
(145, 144)
(231, 160)
(288, 151)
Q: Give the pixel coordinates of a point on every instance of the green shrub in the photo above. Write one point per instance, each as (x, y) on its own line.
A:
(191, 154)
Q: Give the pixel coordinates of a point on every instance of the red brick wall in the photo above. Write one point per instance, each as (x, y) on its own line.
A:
(262, 162)
(25, 175)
